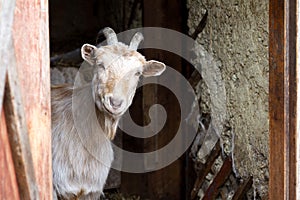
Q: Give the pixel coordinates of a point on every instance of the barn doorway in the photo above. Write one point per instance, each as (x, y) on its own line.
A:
(72, 25)
(257, 63)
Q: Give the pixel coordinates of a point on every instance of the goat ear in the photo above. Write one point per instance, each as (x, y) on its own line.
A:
(88, 52)
(153, 68)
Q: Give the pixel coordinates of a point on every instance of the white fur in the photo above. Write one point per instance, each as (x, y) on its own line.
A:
(74, 168)
(82, 157)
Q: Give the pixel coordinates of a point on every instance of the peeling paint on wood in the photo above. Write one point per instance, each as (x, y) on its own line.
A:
(18, 134)
(24, 42)
(31, 43)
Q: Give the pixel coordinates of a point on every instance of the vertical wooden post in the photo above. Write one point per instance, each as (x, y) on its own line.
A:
(25, 134)
(298, 101)
(31, 43)
(167, 183)
(291, 29)
(282, 99)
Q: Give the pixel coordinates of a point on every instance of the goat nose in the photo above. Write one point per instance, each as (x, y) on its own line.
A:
(115, 103)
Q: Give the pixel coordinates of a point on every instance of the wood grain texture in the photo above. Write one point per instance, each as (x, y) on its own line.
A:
(243, 189)
(298, 103)
(18, 134)
(31, 43)
(166, 183)
(8, 181)
(282, 99)
(14, 114)
(219, 180)
(276, 100)
(291, 87)
(205, 170)
(169, 182)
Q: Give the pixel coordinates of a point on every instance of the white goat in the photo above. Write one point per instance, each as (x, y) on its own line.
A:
(77, 173)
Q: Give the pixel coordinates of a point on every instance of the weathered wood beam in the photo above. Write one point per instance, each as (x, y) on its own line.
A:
(219, 180)
(196, 76)
(8, 183)
(206, 169)
(10, 94)
(282, 99)
(31, 49)
(18, 136)
(291, 86)
(168, 14)
(298, 102)
(243, 189)
(200, 26)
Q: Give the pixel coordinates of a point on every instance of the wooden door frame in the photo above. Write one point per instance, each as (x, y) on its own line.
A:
(282, 99)
(25, 147)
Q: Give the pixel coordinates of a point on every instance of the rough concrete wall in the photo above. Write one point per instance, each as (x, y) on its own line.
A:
(236, 35)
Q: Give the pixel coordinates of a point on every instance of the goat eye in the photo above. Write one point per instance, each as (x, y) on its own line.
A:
(100, 65)
(138, 73)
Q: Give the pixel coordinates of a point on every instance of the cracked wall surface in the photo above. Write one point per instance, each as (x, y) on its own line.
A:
(236, 35)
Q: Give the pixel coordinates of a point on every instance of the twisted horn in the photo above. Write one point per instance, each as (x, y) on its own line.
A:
(110, 35)
(135, 41)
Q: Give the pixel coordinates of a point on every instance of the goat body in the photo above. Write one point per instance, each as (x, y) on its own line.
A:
(76, 172)
(85, 118)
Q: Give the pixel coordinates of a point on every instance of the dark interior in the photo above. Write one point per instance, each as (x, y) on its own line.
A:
(73, 23)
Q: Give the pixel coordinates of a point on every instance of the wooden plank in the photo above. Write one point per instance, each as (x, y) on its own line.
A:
(243, 189)
(298, 102)
(168, 14)
(18, 136)
(31, 43)
(276, 100)
(131, 183)
(8, 181)
(167, 183)
(200, 26)
(291, 87)
(282, 98)
(219, 180)
(206, 169)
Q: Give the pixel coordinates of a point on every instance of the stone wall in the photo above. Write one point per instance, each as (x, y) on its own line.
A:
(236, 35)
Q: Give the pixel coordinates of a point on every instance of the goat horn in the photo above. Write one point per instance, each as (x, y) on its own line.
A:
(110, 35)
(135, 41)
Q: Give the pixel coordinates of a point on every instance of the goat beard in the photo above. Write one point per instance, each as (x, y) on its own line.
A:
(108, 123)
